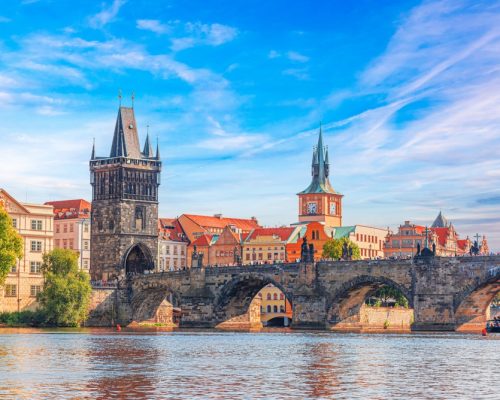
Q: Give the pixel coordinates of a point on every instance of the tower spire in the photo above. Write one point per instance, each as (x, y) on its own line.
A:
(157, 148)
(92, 156)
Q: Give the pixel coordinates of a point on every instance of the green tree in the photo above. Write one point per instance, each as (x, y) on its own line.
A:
(11, 245)
(333, 249)
(385, 295)
(66, 293)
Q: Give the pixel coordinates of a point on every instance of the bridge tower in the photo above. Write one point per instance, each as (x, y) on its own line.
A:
(124, 218)
(320, 202)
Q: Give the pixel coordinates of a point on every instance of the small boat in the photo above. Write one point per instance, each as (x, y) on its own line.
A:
(493, 325)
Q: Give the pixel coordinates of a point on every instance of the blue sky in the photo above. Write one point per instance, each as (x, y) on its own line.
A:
(408, 93)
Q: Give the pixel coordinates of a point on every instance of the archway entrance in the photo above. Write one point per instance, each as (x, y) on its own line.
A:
(158, 306)
(243, 304)
(138, 259)
(478, 307)
(371, 304)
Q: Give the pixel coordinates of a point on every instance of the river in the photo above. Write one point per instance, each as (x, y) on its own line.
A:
(96, 364)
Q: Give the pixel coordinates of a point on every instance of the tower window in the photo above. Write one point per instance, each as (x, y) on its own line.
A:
(140, 220)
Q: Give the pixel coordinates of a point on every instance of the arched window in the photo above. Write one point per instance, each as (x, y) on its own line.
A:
(269, 296)
(275, 296)
(282, 296)
(268, 308)
(275, 309)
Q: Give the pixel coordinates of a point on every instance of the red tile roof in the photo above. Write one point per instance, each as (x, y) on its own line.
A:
(282, 233)
(67, 209)
(442, 234)
(170, 229)
(204, 240)
(221, 222)
(462, 244)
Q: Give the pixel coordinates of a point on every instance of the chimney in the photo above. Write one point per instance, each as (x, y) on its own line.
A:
(218, 216)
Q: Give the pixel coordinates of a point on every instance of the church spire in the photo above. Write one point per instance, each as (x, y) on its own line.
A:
(92, 156)
(320, 168)
(125, 138)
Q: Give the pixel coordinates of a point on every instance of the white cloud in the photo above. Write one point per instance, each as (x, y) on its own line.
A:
(273, 54)
(295, 56)
(152, 25)
(107, 15)
(204, 34)
(299, 73)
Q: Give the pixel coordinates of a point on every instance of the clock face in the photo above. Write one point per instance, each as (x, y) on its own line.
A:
(333, 208)
(311, 208)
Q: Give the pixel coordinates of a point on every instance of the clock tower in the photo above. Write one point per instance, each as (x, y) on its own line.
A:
(320, 202)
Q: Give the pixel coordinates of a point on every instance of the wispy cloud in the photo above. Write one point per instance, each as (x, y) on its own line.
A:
(4, 19)
(299, 73)
(107, 14)
(152, 25)
(295, 56)
(204, 34)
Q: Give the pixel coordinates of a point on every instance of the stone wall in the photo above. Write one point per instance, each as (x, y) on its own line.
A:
(379, 319)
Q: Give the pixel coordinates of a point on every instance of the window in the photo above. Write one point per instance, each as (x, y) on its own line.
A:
(86, 264)
(85, 227)
(282, 309)
(65, 243)
(36, 245)
(275, 309)
(269, 309)
(85, 245)
(269, 256)
(71, 227)
(36, 224)
(168, 250)
(275, 296)
(282, 296)
(65, 228)
(13, 269)
(56, 242)
(247, 257)
(34, 290)
(175, 250)
(70, 243)
(269, 296)
(35, 267)
(10, 290)
(14, 223)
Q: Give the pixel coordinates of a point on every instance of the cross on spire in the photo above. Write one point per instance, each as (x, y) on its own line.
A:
(133, 98)
(120, 97)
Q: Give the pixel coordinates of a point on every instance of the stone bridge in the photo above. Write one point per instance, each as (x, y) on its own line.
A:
(445, 293)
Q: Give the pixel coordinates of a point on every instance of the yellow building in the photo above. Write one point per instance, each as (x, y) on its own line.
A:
(35, 224)
(275, 309)
(267, 245)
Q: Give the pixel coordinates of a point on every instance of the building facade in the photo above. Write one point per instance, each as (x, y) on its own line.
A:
(217, 237)
(172, 246)
(369, 239)
(267, 245)
(72, 228)
(274, 306)
(35, 224)
(441, 234)
(319, 202)
(124, 217)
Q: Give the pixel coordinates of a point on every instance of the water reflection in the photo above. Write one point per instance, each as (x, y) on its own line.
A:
(224, 365)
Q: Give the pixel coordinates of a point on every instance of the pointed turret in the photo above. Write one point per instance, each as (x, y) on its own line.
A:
(157, 149)
(148, 149)
(92, 156)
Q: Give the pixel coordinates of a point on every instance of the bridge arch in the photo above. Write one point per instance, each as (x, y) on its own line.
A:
(471, 306)
(344, 305)
(235, 298)
(155, 303)
(137, 259)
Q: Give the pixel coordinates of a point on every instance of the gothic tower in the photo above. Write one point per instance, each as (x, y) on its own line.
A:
(320, 202)
(124, 218)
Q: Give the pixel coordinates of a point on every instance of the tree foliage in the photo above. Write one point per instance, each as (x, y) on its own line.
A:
(66, 293)
(387, 296)
(11, 245)
(333, 249)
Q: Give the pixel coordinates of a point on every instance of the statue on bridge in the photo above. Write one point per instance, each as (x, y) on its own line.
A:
(474, 250)
(306, 251)
(346, 252)
(196, 258)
